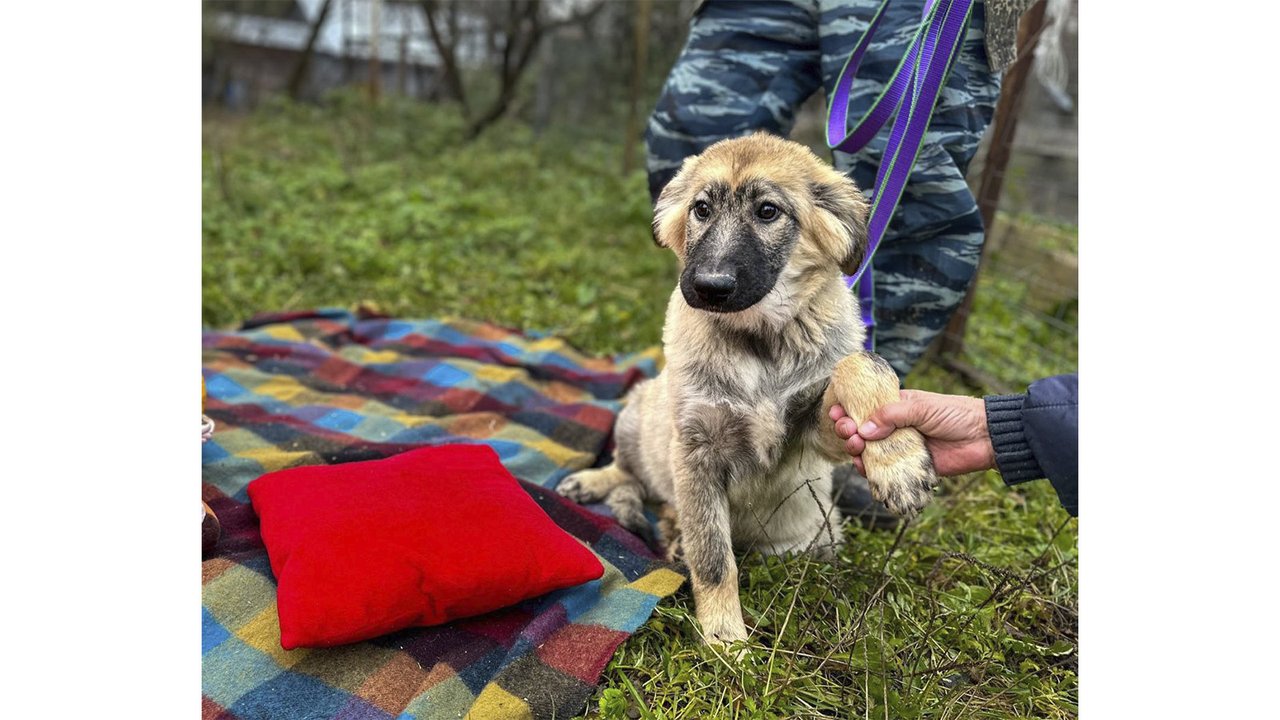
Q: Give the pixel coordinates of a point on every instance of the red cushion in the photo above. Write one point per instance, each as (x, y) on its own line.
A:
(362, 549)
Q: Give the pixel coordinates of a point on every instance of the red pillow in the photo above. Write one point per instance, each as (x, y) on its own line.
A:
(366, 548)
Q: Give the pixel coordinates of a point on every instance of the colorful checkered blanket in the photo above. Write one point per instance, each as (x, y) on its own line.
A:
(330, 387)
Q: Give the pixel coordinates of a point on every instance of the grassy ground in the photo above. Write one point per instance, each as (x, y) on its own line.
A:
(968, 612)
(306, 206)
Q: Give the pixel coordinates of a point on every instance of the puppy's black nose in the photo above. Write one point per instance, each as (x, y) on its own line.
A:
(714, 288)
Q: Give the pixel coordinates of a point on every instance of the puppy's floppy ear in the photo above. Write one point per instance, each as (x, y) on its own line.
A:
(670, 213)
(845, 230)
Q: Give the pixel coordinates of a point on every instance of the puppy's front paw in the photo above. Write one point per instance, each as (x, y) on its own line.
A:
(900, 472)
(722, 631)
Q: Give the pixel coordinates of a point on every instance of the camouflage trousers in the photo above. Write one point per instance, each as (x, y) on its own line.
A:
(749, 66)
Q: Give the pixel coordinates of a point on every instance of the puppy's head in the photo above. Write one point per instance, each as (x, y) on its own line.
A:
(757, 215)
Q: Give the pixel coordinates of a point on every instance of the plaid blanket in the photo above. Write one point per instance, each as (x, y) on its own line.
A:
(330, 387)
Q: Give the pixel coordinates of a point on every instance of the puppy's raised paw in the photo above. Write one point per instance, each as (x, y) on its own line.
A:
(900, 472)
(899, 467)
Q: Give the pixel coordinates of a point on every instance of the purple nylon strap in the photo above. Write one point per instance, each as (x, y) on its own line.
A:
(923, 71)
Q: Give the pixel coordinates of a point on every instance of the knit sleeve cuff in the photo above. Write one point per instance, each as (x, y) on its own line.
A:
(1014, 459)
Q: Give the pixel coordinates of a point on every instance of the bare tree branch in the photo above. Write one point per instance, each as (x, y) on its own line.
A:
(525, 29)
(448, 51)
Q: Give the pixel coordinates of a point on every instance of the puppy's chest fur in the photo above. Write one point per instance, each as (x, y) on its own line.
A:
(753, 396)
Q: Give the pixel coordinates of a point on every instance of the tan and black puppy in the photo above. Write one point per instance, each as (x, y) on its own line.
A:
(761, 338)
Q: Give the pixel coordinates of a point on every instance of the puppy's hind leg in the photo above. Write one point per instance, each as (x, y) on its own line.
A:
(592, 485)
(669, 532)
(899, 467)
(627, 503)
(616, 488)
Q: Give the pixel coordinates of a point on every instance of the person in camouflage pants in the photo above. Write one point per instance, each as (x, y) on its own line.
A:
(749, 66)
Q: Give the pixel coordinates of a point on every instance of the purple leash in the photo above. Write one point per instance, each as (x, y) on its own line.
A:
(922, 71)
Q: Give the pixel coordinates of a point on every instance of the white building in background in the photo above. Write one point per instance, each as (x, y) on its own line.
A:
(252, 47)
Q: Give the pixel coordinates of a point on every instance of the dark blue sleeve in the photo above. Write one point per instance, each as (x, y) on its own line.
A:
(1037, 435)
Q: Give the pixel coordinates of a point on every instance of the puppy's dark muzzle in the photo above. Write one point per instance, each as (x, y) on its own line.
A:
(721, 289)
(714, 289)
(729, 274)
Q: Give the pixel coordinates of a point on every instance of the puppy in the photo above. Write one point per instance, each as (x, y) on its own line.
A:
(761, 338)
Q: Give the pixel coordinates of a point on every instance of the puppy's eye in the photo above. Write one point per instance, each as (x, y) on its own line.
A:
(767, 212)
(701, 210)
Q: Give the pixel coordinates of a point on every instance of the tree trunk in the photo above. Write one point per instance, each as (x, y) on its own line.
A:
(642, 20)
(299, 75)
(402, 77)
(375, 60)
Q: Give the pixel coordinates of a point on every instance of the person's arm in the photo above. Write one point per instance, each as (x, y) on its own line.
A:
(1036, 435)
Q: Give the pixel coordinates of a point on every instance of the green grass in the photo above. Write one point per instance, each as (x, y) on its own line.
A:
(968, 612)
(307, 206)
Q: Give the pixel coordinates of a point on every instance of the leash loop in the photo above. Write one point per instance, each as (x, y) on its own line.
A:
(909, 98)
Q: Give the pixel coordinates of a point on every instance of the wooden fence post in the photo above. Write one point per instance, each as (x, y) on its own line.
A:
(951, 344)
